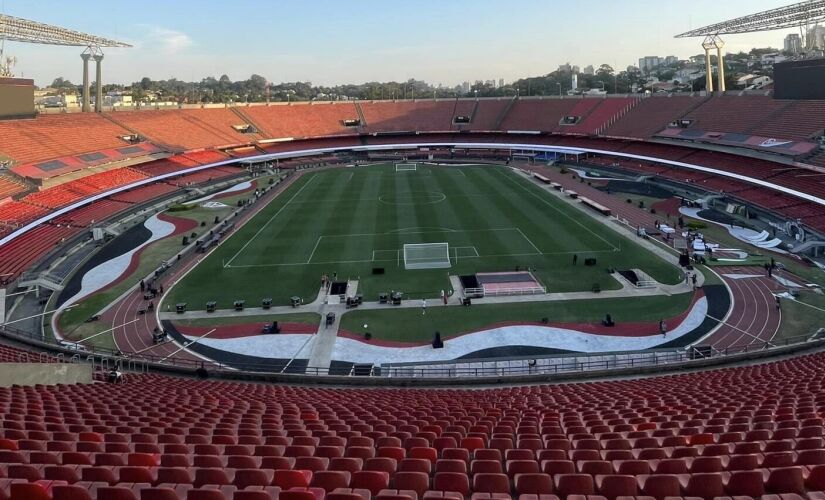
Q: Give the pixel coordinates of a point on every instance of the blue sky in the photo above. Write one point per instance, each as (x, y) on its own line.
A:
(354, 41)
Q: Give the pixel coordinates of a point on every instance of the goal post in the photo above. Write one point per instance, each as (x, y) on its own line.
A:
(427, 256)
(406, 167)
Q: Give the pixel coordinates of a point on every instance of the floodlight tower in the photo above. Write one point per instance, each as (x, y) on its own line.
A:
(707, 45)
(797, 15)
(23, 30)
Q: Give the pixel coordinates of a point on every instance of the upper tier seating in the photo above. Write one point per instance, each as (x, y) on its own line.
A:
(533, 114)
(601, 114)
(798, 120)
(186, 129)
(408, 116)
(651, 115)
(488, 113)
(739, 114)
(53, 136)
(303, 120)
(739, 432)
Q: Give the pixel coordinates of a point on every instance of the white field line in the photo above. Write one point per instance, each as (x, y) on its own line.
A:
(269, 221)
(530, 191)
(528, 240)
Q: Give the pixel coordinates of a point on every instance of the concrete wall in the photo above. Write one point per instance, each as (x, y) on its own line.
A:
(16, 98)
(44, 373)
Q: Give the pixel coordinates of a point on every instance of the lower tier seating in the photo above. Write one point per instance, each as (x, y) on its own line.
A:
(740, 432)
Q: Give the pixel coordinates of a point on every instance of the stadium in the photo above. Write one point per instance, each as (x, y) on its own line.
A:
(526, 297)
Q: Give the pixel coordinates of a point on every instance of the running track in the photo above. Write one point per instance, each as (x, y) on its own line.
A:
(137, 337)
(753, 319)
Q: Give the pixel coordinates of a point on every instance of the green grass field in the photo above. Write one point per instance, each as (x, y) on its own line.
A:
(409, 325)
(348, 221)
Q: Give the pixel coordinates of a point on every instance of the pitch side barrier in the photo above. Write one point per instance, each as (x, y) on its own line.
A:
(384, 147)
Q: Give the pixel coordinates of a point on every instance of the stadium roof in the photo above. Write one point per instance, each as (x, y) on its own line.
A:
(22, 30)
(790, 16)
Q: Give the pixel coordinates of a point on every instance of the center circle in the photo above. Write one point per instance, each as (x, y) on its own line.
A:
(413, 198)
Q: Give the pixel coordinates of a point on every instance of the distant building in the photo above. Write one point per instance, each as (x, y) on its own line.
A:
(564, 68)
(649, 63)
(772, 58)
(671, 60)
(500, 82)
(575, 69)
(465, 87)
(588, 70)
(793, 43)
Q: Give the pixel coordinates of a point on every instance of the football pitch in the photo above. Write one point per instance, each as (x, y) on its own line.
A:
(349, 221)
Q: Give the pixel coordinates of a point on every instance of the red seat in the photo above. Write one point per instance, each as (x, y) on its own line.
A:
(75, 492)
(452, 481)
(415, 481)
(485, 466)
(786, 480)
(537, 484)
(574, 484)
(705, 485)
(374, 481)
(286, 479)
(210, 475)
(491, 483)
(660, 485)
(330, 480)
(414, 465)
(745, 483)
(612, 486)
(252, 477)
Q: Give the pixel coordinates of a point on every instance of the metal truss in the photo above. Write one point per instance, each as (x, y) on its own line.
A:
(22, 30)
(791, 16)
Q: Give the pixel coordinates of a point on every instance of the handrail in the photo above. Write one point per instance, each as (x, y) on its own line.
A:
(512, 367)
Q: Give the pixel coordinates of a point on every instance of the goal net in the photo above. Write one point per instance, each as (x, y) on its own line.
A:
(406, 167)
(426, 256)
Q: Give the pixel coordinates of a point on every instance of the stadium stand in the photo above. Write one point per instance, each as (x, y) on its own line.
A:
(94, 212)
(534, 114)
(740, 432)
(21, 252)
(403, 116)
(54, 136)
(488, 113)
(10, 187)
(799, 119)
(15, 212)
(604, 112)
(180, 130)
(652, 115)
(72, 191)
(740, 114)
(303, 120)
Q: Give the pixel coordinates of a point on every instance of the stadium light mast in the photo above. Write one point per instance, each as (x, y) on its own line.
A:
(797, 15)
(16, 29)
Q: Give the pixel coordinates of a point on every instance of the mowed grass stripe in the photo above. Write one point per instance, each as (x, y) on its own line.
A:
(569, 213)
(244, 237)
(542, 225)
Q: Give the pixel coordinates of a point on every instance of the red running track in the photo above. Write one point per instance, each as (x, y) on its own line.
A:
(136, 337)
(753, 319)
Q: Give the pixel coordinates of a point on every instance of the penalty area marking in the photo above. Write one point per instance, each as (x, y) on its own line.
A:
(270, 220)
(597, 235)
(365, 261)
